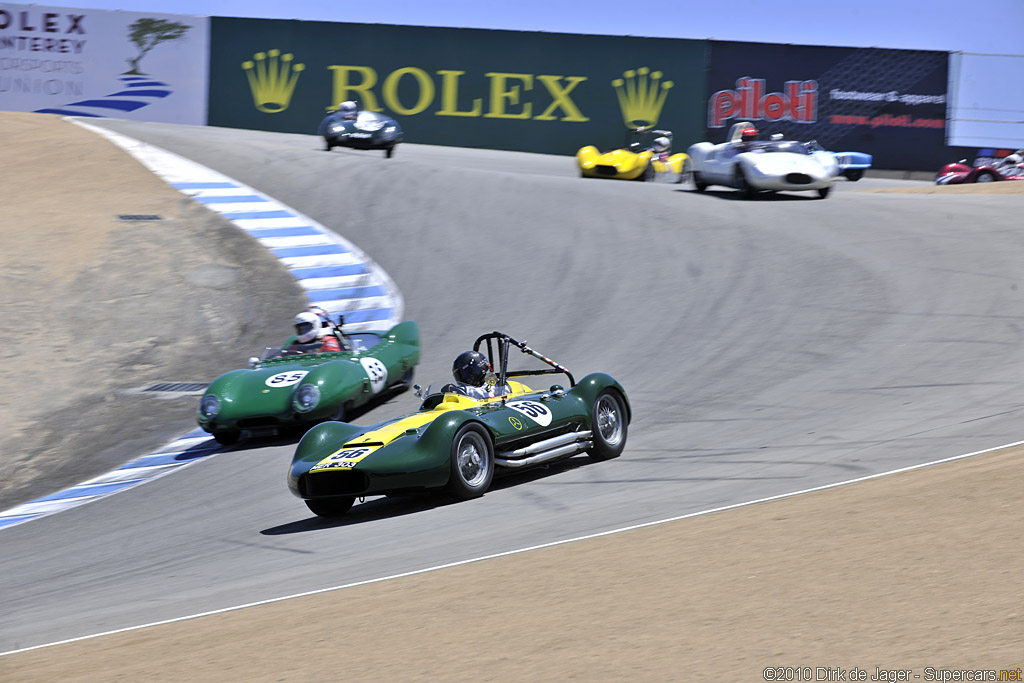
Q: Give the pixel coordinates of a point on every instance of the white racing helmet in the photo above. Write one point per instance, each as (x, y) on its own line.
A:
(307, 327)
(662, 144)
(348, 109)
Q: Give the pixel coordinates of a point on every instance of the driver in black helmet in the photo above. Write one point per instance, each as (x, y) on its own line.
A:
(471, 371)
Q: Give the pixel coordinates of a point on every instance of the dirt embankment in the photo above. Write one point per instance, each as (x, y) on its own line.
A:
(95, 306)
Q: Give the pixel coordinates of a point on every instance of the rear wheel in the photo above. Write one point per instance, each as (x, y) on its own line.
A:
(389, 152)
(608, 423)
(331, 507)
(472, 462)
(684, 175)
(854, 174)
(327, 145)
(823, 192)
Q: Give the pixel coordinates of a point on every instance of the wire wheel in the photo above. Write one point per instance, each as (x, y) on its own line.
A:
(609, 426)
(472, 466)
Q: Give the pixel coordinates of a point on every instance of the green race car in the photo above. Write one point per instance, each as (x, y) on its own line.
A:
(458, 443)
(292, 386)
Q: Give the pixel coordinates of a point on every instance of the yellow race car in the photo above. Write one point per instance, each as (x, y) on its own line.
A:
(647, 157)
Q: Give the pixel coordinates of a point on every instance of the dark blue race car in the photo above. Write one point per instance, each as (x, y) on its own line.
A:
(360, 130)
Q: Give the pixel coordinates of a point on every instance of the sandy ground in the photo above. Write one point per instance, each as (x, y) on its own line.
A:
(915, 570)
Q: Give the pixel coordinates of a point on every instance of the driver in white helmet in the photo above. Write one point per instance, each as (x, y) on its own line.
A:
(311, 328)
(348, 109)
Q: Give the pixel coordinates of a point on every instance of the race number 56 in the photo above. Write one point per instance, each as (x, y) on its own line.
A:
(537, 412)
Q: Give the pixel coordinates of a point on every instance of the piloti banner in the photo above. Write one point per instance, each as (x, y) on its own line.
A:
(887, 103)
(537, 92)
(82, 62)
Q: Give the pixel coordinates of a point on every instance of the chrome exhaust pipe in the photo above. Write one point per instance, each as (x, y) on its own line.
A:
(546, 444)
(558, 452)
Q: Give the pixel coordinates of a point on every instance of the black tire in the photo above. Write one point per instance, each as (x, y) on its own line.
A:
(609, 425)
(740, 181)
(327, 145)
(684, 175)
(472, 462)
(823, 192)
(698, 182)
(341, 413)
(389, 152)
(227, 437)
(648, 175)
(330, 507)
(985, 177)
(854, 174)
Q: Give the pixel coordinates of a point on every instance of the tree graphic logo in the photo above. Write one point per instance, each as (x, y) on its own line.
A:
(147, 34)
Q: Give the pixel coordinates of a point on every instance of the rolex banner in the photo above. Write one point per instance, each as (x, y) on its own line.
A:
(83, 62)
(537, 92)
(887, 103)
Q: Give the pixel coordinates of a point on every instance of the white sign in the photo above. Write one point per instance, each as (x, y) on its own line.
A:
(81, 62)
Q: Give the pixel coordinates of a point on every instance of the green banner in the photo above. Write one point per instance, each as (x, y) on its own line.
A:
(537, 92)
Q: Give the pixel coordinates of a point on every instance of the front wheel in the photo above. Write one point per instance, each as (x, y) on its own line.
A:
(698, 182)
(227, 437)
(330, 507)
(472, 462)
(389, 152)
(986, 177)
(608, 423)
(741, 183)
(823, 192)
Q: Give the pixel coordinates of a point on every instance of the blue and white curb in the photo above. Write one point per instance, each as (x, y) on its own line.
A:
(334, 273)
(179, 453)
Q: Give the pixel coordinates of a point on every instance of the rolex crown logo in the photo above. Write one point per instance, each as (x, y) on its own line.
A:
(272, 78)
(641, 96)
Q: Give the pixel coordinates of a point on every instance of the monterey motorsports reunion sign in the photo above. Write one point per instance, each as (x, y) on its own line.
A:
(81, 62)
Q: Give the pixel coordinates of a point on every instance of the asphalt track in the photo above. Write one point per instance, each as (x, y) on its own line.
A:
(767, 346)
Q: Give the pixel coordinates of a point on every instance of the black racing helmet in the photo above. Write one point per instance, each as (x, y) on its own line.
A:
(471, 367)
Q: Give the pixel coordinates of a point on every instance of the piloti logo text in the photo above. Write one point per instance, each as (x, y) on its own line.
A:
(750, 101)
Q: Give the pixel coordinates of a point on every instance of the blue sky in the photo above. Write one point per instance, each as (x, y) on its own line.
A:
(989, 26)
(984, 89)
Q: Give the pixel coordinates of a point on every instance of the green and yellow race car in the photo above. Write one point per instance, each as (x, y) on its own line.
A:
(296, 385)
(647, 156)
(457, 442)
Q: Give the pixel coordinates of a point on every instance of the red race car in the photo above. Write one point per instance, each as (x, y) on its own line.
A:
(1010, 167)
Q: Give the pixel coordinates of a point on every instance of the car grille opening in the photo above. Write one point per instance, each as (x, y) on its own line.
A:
(606, 170)
(798, 179)
(333, 483)
(254, 422)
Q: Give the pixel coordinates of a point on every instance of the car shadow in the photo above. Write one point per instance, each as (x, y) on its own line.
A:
(735, 195)
(399, 505)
